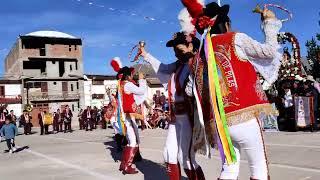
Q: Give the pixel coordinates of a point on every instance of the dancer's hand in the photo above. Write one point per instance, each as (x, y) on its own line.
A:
(141, 75)
(143, 52)
(267, 14)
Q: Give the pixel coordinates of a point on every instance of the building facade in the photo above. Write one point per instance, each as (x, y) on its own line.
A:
(50, 67)
(96, 86)
(10, 95)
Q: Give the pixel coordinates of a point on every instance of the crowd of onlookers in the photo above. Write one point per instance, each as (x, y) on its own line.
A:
(288, 91)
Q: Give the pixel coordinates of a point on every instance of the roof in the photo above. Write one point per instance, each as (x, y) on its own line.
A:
(101, 77)
(51, 34)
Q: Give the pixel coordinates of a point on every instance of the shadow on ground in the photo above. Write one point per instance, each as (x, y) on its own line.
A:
(150, 169)
(112, 147)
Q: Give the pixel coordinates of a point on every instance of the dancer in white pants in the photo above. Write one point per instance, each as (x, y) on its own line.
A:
(131, 96)
(179, 146)
(238, 59)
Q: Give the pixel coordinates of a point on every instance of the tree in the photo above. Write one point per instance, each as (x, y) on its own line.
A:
(313, 57)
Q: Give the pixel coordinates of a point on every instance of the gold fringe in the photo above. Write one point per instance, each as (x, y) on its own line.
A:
(246, 114)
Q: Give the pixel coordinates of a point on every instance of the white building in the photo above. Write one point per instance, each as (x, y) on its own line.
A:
(51, 66)
(95, 89)
(10, 95)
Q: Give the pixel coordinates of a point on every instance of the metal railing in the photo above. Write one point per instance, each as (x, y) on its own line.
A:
(57, 96)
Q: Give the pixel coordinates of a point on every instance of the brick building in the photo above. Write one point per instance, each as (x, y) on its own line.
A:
(50, 66)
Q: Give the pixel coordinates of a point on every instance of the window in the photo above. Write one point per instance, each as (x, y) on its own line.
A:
(70, 67)
(65, 86)
(2, 91)
(78, 105)
(54, 83)
(69, 48)
(97, 96)
(77, 85)
(72, 107)
(36, 85)
(76, 65)
(53, 62)
(71, 87)
(97, 82)
(42, 51)
(44, 87)
(75, 47)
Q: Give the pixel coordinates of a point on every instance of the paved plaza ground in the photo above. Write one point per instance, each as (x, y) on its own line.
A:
(91, 156)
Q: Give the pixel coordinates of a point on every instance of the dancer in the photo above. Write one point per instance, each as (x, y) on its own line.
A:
(238, 57)
(179, 145)
(130, 96)
(111, 116)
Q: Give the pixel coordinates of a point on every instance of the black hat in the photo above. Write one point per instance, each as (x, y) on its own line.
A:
(181, 38)
(125, 71)
(213, 9)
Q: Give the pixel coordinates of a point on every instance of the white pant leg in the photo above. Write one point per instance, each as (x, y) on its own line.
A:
(170, 152)
(136, 130)
(186, 152)
(248, 137)
(115, 125)
(232, 171)
(131, 135)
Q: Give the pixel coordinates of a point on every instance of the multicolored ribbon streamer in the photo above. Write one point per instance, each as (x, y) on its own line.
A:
(217, 102)
(120, 115)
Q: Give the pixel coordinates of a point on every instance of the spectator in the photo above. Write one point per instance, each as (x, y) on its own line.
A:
(81, 123)
(67, 118)
(58, 119)
(25, 118)
(41, 119)
(13, 118)
(87, 115)
(162, 100)
(9, 131)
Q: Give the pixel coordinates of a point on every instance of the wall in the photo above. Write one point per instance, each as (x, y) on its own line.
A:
(62, 51)
(12, 64)
(17, 109)
(14, 90)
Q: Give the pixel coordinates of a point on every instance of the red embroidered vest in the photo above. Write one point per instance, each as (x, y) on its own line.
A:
(128, 102)
(239, 82)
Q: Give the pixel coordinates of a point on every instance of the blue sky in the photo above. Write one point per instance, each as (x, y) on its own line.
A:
(112, 32)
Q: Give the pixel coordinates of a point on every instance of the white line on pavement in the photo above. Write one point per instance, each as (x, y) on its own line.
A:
(214, 157)
(72, 166)
(293, 145)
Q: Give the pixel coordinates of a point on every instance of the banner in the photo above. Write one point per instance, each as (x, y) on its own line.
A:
(304, 111)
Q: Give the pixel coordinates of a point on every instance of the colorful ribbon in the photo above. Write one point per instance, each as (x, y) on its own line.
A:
(217, 103)
(120, 115)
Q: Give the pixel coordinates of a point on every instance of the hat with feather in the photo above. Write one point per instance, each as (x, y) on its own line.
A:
(121, 71)
(204, 16)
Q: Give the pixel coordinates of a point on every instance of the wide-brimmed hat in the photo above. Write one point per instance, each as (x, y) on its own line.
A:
(181, 38)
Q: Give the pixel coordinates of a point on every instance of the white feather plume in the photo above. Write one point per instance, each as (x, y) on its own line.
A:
(186, 21)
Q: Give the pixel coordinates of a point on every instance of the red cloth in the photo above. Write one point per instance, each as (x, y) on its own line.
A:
(128, 103)
(239, 82)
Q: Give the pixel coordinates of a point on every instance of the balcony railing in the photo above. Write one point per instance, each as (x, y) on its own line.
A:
(10, 100)
(57, 96)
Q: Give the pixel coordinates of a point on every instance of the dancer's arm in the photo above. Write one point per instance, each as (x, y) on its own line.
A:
(163, 71)
(136, 90)
(251, 49)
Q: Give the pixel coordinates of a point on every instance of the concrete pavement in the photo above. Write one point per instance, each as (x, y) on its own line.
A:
(91, 156)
